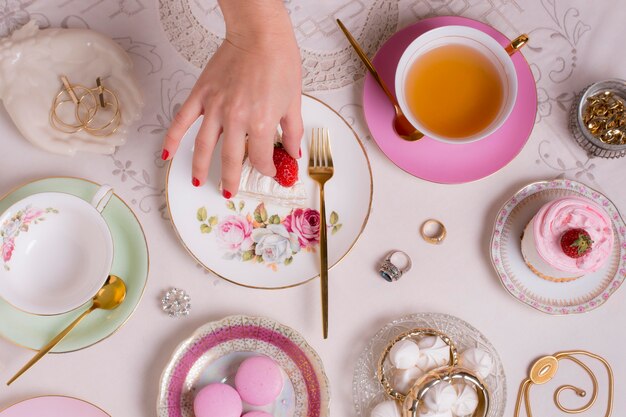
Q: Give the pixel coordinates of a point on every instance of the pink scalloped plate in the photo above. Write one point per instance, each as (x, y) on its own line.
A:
(440, 162)
(213, 354)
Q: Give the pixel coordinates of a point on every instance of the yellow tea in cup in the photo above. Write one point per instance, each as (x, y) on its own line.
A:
(454, 91)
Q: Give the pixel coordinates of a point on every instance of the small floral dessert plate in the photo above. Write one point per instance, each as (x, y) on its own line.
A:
(259, 244)
(213, 354)
(56, 249)
(367, 390)
(578, 296)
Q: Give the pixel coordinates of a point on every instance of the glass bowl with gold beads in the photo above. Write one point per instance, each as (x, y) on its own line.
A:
(598, 119)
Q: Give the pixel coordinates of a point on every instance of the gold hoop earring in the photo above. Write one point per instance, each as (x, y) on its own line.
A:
(88, 102)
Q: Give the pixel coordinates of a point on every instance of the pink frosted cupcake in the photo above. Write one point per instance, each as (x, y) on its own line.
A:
(568, 238)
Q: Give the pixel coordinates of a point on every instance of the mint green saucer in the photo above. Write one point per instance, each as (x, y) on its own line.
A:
(130, 262)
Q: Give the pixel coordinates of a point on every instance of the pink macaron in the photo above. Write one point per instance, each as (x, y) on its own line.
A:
(259, 380)
(217, 400)
(257, 414)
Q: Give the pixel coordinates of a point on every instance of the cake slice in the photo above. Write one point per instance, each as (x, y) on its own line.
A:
(284, 189)
(567, 238)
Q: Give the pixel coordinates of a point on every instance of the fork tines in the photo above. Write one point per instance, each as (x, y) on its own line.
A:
(319, 152)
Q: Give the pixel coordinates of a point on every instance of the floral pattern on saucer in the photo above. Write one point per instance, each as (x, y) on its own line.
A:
(16, 224)
(262, 238)
(510, 272)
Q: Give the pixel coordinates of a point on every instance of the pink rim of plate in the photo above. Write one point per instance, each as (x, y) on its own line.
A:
(53, 406)
(577, 189)
(444, 162)
(225, 334)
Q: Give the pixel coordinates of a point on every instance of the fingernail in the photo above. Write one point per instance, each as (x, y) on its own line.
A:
(227, 195)
(195, 182)
(300, 153)
(165, 154)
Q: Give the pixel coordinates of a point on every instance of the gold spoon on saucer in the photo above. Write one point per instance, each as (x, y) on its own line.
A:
(401, 124)
(110, 296)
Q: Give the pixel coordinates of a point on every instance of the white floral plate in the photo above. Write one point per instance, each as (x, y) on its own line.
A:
(367, 391)
(214, 352)
(579, 296)
(262, 245)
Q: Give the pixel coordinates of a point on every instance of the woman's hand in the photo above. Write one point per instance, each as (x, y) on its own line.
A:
(250, 86)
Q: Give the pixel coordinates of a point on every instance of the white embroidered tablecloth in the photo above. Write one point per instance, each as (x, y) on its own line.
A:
(573, 43)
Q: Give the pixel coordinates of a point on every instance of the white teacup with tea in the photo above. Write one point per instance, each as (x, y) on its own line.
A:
(56, 251)
(456, 84)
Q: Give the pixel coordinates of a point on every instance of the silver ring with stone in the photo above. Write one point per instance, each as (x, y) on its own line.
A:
(390, 270)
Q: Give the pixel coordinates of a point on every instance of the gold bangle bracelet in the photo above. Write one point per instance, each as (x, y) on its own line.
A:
(418, 392)
(414, 333)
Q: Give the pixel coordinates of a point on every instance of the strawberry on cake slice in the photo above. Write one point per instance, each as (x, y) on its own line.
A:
(567, 238)
(284, 189)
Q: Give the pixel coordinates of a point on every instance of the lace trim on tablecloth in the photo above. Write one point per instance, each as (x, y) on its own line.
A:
(321, 70)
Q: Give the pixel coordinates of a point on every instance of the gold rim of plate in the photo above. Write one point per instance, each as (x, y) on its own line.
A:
(369, 210)
(2, 410)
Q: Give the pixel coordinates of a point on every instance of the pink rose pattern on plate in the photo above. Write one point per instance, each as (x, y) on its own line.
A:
(262, 238)
(16, 224)
(305, 223)
(575, 187)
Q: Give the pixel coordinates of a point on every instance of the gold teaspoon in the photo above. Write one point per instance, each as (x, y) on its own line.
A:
(401, 124)
(110, 296)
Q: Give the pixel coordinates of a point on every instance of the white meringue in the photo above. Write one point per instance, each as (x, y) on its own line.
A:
(440, 398)
(477, 360)
(467, 400)
(386, 409)
(434, 352)
(404, 354)
(404, 379)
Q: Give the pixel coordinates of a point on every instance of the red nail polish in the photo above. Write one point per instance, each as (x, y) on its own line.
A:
(165, 154)
(300, 153)
(227, 195)
(195, 182)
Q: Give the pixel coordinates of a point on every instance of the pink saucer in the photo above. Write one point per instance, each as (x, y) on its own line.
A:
(53, 406)
(437, 161)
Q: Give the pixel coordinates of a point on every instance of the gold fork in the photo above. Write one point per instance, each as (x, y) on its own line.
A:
(321, 170)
